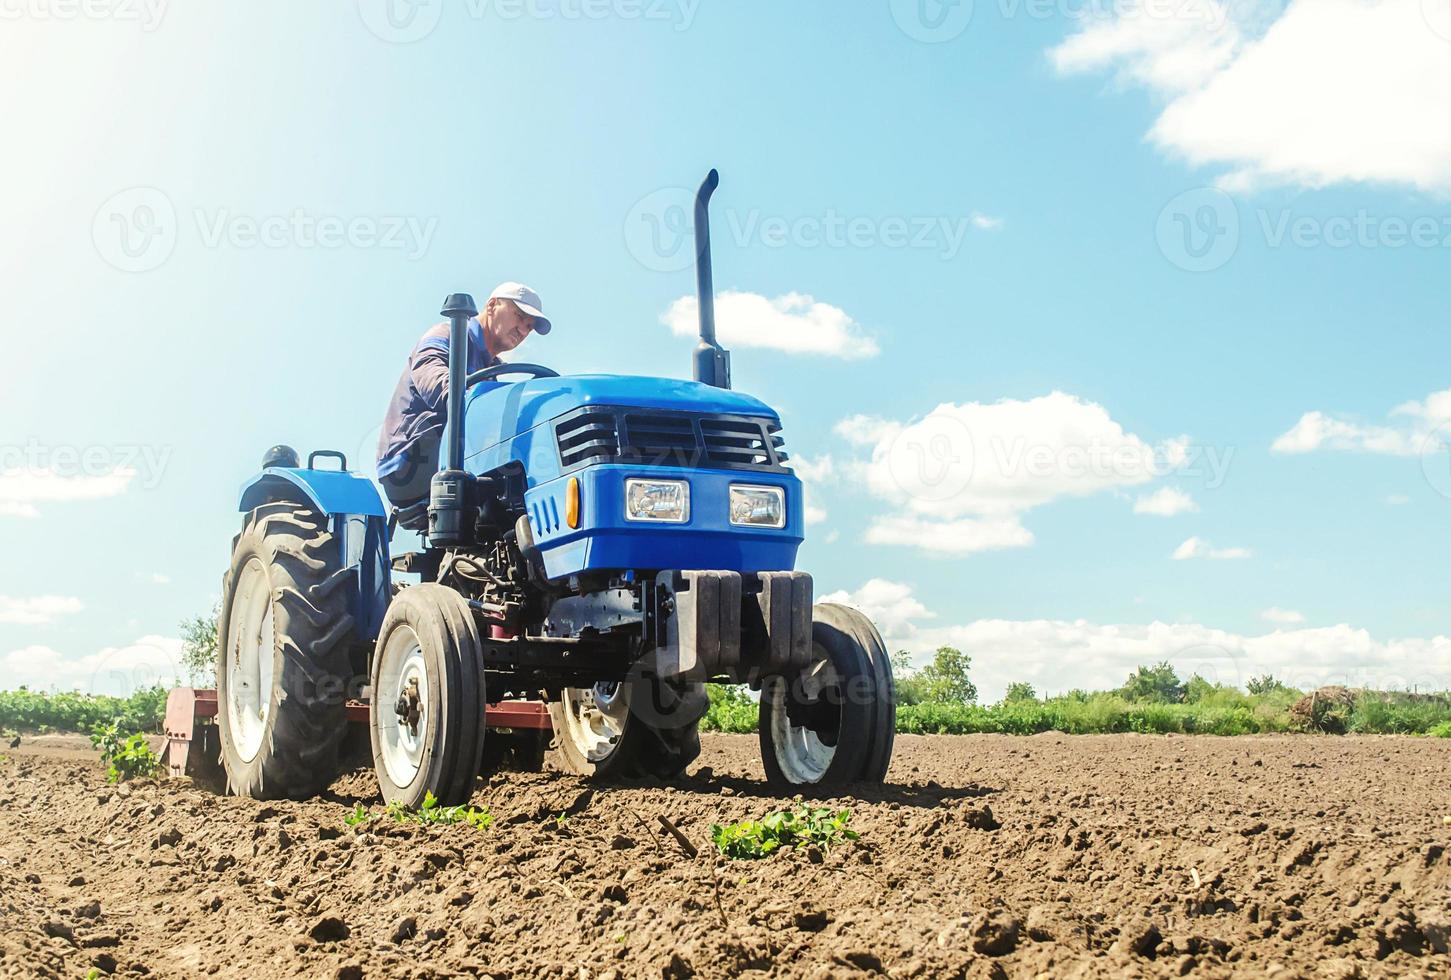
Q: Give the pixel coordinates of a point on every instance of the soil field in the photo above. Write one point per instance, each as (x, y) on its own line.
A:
(986, 856)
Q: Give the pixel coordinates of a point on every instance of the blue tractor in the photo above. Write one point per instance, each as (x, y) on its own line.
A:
(602, 544)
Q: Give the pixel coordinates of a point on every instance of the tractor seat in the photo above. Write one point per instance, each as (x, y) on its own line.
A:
(414, 517)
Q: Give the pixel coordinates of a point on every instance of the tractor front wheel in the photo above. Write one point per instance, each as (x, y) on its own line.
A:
(427, 716)
(835, 721)
(640, 727)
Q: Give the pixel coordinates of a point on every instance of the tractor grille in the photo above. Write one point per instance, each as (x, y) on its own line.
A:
(656, 438)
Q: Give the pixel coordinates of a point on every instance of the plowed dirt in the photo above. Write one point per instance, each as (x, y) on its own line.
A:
(985, 857)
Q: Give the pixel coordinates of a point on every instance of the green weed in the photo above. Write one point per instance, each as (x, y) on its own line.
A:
(802, 827)
(124, 756)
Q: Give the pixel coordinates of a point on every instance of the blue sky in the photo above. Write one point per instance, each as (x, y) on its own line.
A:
(1127, 281)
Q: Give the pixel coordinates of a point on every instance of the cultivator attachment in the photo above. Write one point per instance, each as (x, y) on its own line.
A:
(193, 744)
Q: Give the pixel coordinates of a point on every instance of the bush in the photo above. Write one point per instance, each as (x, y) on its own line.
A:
(199, 647)
(1020, 691)
(1157, 684)
(69, 711)
(731, 709)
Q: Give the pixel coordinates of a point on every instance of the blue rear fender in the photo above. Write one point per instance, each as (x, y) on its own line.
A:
(359, 520)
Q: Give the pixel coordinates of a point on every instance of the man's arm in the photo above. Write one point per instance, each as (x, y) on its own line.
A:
(429, 369)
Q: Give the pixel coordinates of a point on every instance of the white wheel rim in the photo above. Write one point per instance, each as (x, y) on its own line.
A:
(595, 718)
(251, 647)
(801, 755)
(402, 677)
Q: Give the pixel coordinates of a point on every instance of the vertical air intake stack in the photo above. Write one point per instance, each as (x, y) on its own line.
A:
(448, 493)
(712, 361)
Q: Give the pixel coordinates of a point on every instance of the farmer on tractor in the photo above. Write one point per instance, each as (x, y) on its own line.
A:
(409, 443)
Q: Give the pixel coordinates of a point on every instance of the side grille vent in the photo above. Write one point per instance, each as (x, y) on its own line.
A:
(588, 436)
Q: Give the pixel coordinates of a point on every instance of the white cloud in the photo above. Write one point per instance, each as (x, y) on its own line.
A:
(1419, 430)
(1311, 92)
(795, 323)
(22, 488)
(1165, 502)
(961, 536)
(1285, 617)
(112, 670)
(1397, 500)
(813, 472)
(986, 222)
(157, 578)
(37, 610)
(1059, 655)
(961, 476)
(890, 605)
(1199, 548)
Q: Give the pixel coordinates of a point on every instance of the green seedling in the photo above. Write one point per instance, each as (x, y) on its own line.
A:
(124, 756)
(432, 814)
(803, 827)
(358, 817)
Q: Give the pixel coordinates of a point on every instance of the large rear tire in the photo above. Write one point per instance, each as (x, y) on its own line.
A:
(282, 657)
(835, 722)
(427, 719)
(637, 728)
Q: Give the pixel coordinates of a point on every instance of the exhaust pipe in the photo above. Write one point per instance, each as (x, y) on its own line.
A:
(712, 361)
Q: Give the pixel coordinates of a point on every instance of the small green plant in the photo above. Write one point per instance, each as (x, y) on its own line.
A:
(359, 816)
(431, 813)
(124, 756)
(802, 827)
(1442, 730)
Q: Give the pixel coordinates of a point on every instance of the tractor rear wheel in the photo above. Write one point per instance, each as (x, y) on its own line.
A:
(835, 721)
(282, 656)
(630, 729)
(427, 719)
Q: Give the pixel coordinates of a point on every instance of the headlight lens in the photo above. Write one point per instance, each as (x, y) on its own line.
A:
(667, 501)
(758, 506)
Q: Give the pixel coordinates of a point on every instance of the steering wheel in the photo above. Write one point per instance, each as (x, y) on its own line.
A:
(493, 372)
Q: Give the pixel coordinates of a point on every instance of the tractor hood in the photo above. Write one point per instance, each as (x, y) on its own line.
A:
(496, 412)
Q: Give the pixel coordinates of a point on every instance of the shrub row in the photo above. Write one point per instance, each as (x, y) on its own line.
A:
(1225, 712)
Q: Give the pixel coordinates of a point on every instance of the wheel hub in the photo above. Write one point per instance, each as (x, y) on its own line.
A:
(595, 718)
(409, 707)
(403, 682)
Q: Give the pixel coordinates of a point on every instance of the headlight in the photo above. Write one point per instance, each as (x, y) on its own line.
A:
(657, 500)
(758, 506)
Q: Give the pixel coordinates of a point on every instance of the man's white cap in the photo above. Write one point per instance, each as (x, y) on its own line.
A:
(527, 300)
